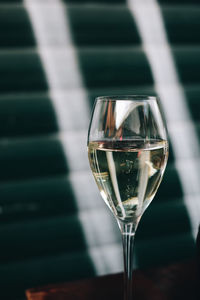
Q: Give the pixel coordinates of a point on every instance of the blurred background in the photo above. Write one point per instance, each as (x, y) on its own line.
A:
(55, 58)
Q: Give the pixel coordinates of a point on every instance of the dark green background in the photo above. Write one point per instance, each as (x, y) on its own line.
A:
(41, 238)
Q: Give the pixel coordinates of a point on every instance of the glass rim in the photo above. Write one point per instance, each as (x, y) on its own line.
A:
(126, 97)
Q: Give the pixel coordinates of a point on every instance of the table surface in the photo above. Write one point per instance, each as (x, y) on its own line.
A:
(176, 281)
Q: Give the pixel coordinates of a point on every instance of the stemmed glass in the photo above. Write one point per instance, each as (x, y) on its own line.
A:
(128, 151)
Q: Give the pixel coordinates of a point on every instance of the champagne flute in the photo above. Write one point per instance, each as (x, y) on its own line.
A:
(128, 151)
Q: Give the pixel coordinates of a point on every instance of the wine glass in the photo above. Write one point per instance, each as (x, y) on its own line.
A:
(128, 151)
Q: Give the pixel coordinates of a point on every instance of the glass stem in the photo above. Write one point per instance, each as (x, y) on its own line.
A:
(128, 234)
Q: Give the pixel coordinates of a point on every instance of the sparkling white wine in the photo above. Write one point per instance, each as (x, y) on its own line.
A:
(128, 174)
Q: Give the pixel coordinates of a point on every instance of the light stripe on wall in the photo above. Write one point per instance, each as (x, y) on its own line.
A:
(59, 58)
(149, 21)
